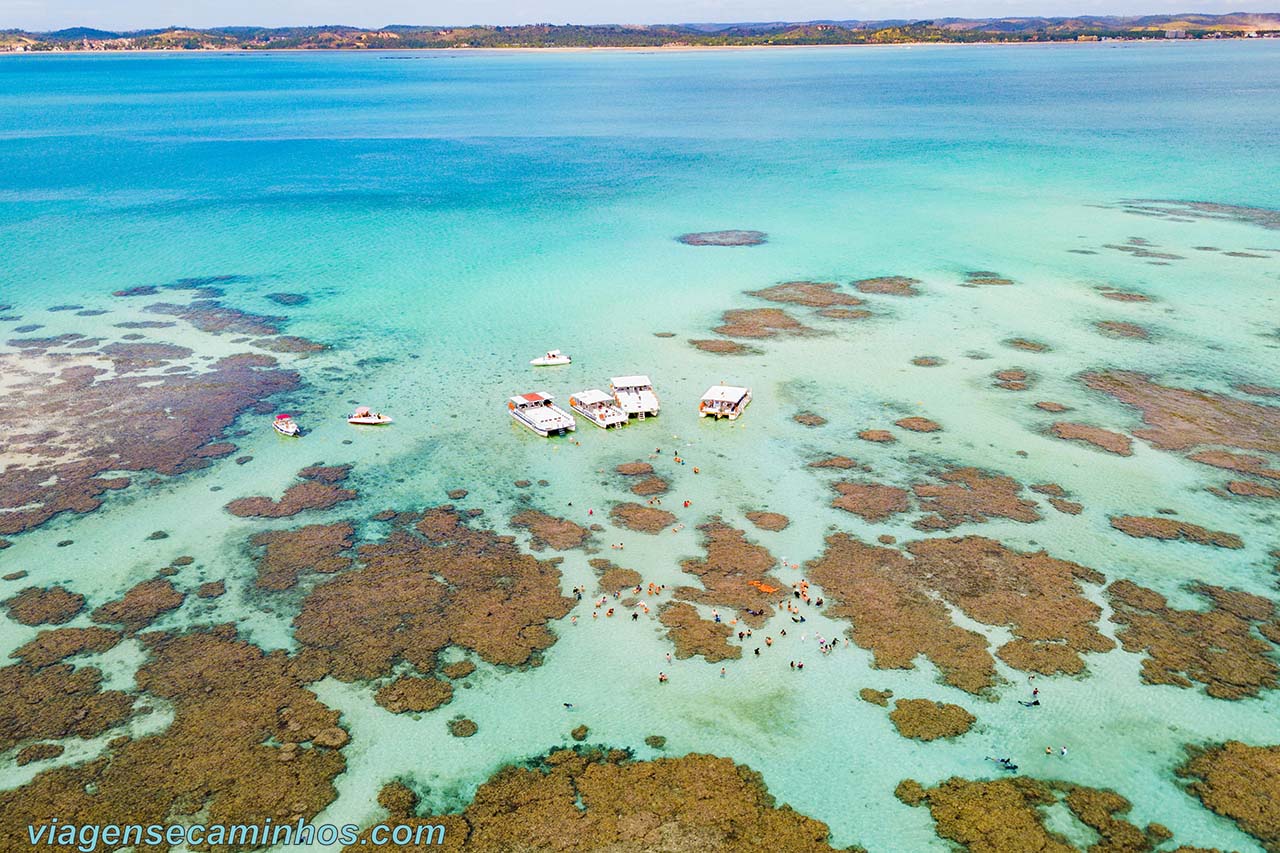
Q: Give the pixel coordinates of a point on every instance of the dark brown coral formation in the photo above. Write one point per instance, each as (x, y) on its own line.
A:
(580, 801)
(462, 727)
(614, 578)
(650, 486)
(771, 521)
(54, 702)
(971, 495)
(873, 502)
(458, 669)
(812, 294)
(1117, 295)
(875, 697)
(38, 752)
(287, 554)
(895, 602)
(58, 644)
(840, 463)
(878, 436)
(37, 606)
(1027, 345)
(719, 346)
(424, 587)
(809, 419)
(1155, 527)
(759, 323)
(634, 469)
(547, 530)
(735, 574)
(1121, 329)
(918, 424)
(889, 285)
(89, 425)
(1244, 463)
(1103, 439)
(924, 719)
(318, 490)
(1009, 815)
(244, 755)
(408, 693)
(894, 618)
(1013, 379)
(1238, 781)
(141, 605)
(692, 635)
(1180, 419)
(1215, 647)
(641, 518)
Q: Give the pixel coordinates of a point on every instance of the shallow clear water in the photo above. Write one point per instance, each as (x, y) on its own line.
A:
(452, 215)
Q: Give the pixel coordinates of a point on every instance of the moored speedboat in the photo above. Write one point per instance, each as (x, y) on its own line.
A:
(598, 407)
(362, 416)
(551, 359)
(724, 401)
(635, 395)
(285, 425)
(539, 413)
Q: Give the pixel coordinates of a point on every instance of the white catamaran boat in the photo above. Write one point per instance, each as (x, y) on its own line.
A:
(724, 401)
(598, 407)
(635, 395)
(285, 425)
(362, 416)
(539, 413)
(552, 358)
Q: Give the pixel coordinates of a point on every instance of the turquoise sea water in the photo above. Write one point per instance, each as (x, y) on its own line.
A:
(453, 215)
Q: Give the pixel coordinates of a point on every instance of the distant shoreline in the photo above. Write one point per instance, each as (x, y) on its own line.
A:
(654, 37)
(686, 48)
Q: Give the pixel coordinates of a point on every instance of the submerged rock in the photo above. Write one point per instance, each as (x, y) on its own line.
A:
(581, 800)
(924, 719)
(723, 238)
(1238, 781)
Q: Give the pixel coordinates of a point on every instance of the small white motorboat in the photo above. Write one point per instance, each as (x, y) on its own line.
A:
(539, 413)
(551, 359)
(362, 416)
(635, 395)
(598, 407)
(724, 401)
(285, 425)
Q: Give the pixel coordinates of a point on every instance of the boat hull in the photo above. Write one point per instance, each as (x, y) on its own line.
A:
(609, 421)
(544, 432)
(369, 421)
(732, 415)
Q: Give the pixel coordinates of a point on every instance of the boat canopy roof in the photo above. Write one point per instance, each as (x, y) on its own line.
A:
(554, 352)
(592, 396)
(283, 417)
(637, 381)
(363, 412)
(534, 397)
(724, 394)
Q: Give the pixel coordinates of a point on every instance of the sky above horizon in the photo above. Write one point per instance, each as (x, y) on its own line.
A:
(40, 15)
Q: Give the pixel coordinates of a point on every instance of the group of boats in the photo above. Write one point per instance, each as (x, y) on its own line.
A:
(628, 397)
(362, 416)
